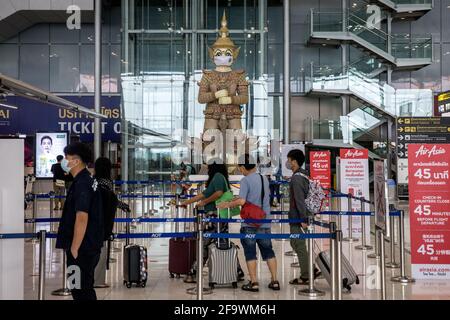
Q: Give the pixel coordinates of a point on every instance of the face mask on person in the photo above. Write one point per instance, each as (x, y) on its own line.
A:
(65, 165)
(288, 165)
(223, 61)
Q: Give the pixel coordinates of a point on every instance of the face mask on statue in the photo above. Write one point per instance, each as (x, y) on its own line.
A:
(223, 61)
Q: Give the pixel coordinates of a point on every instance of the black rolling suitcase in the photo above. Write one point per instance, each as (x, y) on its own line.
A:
(135, 265)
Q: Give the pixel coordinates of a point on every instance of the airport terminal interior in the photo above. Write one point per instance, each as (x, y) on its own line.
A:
(160, 87)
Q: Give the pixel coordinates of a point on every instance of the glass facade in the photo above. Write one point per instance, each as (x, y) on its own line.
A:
(59, 60)
(154, 52)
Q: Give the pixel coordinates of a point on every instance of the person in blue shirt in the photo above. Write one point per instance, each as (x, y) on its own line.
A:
(250, 191)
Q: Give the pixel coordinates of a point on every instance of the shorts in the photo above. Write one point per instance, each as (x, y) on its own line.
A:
(249, 245)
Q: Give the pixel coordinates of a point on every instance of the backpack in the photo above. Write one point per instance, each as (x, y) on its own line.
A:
(315, 196)
(110, 203)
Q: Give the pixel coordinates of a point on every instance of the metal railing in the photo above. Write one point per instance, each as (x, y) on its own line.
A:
(403, 46)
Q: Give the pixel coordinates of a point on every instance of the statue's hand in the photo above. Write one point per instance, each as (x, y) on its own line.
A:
(221, 94)
(225, 100)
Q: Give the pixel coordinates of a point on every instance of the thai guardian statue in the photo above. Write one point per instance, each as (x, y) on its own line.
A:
(223, 90)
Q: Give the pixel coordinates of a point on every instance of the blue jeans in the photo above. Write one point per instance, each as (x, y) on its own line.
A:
(249, 245)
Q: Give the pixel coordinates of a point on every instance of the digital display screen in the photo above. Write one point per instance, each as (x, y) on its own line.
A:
(48, 147)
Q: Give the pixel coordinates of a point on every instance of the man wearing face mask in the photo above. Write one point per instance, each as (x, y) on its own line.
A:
(81, 230)
(298, 191)
(223, 90)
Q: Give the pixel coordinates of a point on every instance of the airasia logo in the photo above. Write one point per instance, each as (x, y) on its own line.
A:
(319, 155)
(434, 151)
(354, 153)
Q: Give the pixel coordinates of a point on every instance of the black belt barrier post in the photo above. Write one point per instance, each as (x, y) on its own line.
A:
(42, 255)
(199, 290)
(333, 261)
(403, 278)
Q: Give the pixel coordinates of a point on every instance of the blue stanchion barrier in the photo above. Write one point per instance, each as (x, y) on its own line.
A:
(41, 220)
(347, 213)
(268, 236)
(148, 182)
(154, 235)
(216, 220)
(132, 196)
(17, 235)
(321, 224)
(153, 220)
(395, 213)
(47, 196)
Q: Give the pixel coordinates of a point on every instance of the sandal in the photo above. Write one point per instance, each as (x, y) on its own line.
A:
(251, 286)
(274, 285)
(299, 281)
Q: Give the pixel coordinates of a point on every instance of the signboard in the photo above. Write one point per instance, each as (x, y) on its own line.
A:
(442, 104)
(354, 179)
(47, 147)
(285, 148)
(320, 167)
(381, 194)
(34, 116)
(418, 130)
(429, 203)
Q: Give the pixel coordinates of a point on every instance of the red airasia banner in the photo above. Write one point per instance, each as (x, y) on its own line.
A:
(320, 167)
(429, 203)
(354, 153)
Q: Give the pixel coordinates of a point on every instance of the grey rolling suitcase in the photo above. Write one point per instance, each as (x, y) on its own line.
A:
(223, 263)
(349, 276)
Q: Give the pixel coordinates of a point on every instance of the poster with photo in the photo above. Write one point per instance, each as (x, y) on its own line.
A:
(47, 147)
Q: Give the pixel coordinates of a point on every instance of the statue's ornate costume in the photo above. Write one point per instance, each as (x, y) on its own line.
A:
(223, 90)
(236, 84)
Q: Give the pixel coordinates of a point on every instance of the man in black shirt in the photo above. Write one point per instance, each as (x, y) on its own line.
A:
(80, 231)
(59, 182)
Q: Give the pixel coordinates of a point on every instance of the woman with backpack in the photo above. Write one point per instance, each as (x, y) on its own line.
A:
(110, 203)
(254, 197)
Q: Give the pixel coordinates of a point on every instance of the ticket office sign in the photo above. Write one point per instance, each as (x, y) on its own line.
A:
(429, 202)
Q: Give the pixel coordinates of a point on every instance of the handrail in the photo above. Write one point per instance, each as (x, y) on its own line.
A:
(368, 29)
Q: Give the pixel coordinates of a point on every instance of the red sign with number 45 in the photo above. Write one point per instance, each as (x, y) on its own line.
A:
(429, 203)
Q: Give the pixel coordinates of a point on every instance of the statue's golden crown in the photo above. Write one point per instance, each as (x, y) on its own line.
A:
(224, 41)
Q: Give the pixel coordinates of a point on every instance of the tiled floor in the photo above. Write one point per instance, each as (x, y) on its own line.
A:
(161, 286)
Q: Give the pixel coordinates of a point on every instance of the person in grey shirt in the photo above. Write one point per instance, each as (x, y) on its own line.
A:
(250, 191)
(298, 191)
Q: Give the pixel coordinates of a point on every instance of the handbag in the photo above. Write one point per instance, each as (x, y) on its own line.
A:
(226, 197)
(252, 211)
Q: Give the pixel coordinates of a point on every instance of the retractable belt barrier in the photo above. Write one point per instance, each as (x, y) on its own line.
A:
(146, 182)
(218, 220)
